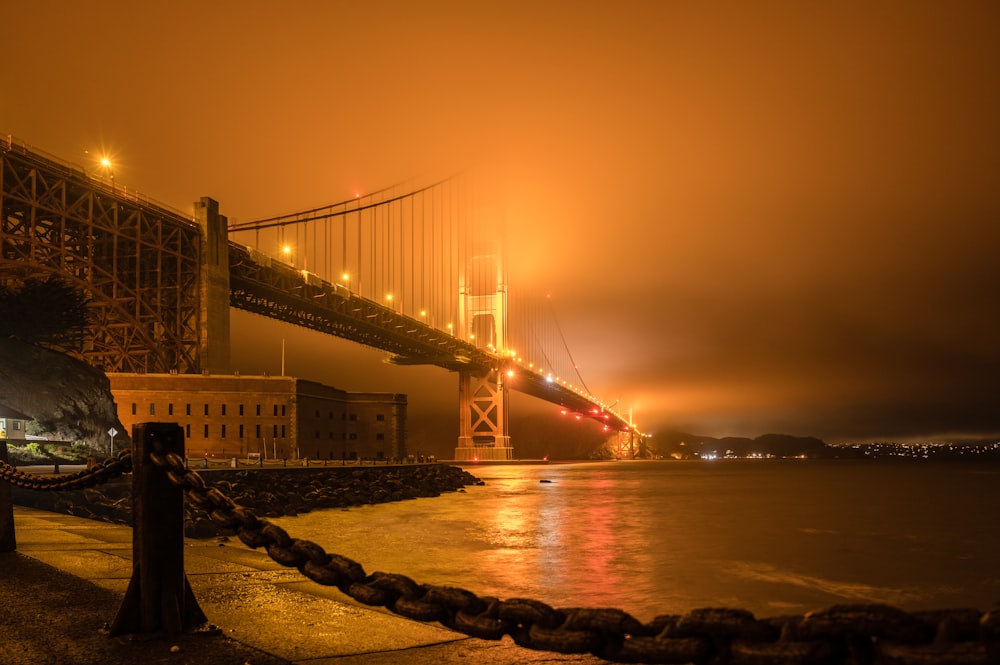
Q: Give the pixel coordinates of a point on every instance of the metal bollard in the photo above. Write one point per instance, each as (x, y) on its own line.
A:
(159, 598)
(8, 543)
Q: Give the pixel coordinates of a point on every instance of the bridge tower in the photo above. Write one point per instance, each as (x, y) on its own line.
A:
(482, 397)
(213, 287)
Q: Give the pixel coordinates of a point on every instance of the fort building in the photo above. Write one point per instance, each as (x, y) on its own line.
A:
(266, 417)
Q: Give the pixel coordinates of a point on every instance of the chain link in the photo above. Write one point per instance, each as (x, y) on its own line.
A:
(840, 634)
(109, 469)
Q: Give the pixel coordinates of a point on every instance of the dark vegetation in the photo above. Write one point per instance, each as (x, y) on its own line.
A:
(33, 453)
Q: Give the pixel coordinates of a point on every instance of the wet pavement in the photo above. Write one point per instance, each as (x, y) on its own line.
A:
(65, 582)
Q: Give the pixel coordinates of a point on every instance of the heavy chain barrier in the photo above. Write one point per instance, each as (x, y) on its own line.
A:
(840, 634)
(109, 469)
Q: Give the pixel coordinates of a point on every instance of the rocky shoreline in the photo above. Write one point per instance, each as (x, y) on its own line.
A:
(267, 492)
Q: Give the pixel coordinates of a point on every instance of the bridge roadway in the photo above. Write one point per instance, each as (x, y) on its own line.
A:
(277, 290)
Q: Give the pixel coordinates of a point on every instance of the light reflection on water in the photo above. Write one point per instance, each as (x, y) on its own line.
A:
(773, 537)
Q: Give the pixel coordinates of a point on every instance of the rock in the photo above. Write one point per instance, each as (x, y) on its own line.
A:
(267, 492)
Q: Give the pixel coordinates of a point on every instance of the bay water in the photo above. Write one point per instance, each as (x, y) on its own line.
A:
(774, 537)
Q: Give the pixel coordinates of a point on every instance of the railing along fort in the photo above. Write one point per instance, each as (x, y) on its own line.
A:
(159, 599)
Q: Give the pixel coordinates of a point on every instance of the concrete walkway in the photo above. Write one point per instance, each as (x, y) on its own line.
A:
(69, 574)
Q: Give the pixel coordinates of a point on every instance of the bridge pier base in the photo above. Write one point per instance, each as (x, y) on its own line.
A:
(482, 418)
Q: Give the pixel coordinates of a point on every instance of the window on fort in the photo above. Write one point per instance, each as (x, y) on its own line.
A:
(206, 409)
(170, 409)
(317, 413)
(354, 436)
(223, 431)
(152, 409)
(187, 410)
(316, 435)
(258, 409)
(223, 409)
(331, 415)
(274, 433)
(257, 434)
(282, 431)
(241, 430)
(206, 431)
(282, 409)
(353, 416)
(187, 430)
(380, 417)
(275, 409)
(241, 409)
(380, 437)
(133, 408)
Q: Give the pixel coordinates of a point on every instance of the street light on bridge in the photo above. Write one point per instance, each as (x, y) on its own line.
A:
(109, 170)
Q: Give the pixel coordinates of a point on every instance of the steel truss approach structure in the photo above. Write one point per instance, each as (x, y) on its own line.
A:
(139, 263)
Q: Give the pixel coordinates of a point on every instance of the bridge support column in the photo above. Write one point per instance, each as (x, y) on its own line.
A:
(482, 418)
(214, 287)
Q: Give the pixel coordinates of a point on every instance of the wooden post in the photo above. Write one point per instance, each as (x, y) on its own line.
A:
(159, 598)
(8, 543)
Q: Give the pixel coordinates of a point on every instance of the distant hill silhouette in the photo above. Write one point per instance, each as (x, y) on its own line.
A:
(684, 445)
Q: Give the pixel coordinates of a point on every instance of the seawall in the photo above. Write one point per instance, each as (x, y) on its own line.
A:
(268, 492)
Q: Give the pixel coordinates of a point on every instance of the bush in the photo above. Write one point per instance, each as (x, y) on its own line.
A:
(36, 449)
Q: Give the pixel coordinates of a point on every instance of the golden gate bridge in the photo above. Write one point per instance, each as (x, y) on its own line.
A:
(415, 271)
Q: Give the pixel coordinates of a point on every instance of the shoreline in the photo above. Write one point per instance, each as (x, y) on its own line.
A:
(269, 492)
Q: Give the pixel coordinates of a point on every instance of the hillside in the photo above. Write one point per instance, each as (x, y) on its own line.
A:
(68, 397)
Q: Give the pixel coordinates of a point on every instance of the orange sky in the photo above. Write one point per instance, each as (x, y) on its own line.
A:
(754, 217)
